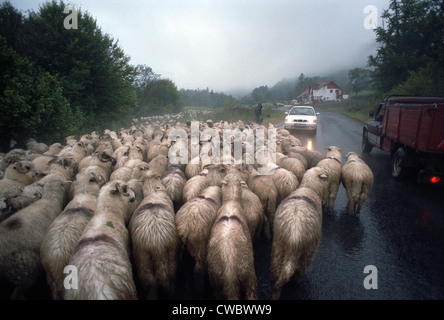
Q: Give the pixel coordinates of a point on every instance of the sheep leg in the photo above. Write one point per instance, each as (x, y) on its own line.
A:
(332, 197)
(266, 228)
(250, 287)
(283, 268)
(351, 202)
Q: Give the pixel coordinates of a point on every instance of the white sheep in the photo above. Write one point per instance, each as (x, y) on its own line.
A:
(102, 255)
(297, 229)
(357, 179)
(66, 230)
(230, 249)
(155, 242)
(21, 236)
(194, 221)
(32, 144)
(333, 165)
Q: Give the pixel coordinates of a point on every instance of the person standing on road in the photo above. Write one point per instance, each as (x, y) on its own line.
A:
(258, 112)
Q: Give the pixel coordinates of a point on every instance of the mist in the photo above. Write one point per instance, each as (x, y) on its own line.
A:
(234, 46)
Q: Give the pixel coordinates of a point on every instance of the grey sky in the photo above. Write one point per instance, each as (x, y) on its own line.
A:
(230, 44)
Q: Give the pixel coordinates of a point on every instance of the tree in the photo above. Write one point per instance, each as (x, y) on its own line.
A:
(159, 97)
(93, 70)
(410, 39)
(31, 102)
(359, 79)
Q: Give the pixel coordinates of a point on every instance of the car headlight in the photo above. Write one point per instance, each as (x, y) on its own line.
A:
(287, 120)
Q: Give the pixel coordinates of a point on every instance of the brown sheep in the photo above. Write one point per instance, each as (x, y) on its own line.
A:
(333, 165)
(154, 239)
(357, 179)
(194, 221)
(102, 255)
(230, 249)
(21, 236)
(297, 229)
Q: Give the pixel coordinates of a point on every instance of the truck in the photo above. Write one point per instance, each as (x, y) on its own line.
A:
(411, 129)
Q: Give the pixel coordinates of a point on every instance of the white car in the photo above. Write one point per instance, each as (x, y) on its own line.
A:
(301, 118)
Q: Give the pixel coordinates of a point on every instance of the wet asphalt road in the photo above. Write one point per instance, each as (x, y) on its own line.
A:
(399, 231)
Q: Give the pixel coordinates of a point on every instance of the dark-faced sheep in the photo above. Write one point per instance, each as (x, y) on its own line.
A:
(102, 255)
(357, 179)
(333, 165)
(230, 249)
(21, 236)
(154, 239)
(297, 229)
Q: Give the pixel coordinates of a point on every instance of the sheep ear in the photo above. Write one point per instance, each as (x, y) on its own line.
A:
(123, 189)
(323, 176)
(223, 182)
(20, 168)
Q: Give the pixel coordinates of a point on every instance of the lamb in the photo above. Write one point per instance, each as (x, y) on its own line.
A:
(155, 239)
(194, 221)
(21, 236)
(230, 249)
(357, 179)
(102, 255)
(333, 165)
(66, 230)
(297, 229)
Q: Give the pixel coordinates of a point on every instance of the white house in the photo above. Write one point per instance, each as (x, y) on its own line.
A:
(323, 91)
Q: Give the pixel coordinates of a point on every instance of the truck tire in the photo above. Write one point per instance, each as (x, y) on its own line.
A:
(366, 146)
(399, 168)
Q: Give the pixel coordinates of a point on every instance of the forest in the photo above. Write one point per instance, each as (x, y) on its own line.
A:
(56, 81)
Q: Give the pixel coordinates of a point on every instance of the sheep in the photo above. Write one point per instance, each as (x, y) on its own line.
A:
(194, 221)
(291, 164)
(194, 186)
(230, 249)
(21, 236)
(333, 165)
(53, 149)
(37, 147)
(64, 167)
(77, 150)
(125, 172)
(102, 255)
(174, 181)
(103, 161)
(159, 164)
(357, 179)
(18, 174)
(297, 229)
(264, 187)
(66, 230)
(312, 156)
(284, 180)
(154, 238)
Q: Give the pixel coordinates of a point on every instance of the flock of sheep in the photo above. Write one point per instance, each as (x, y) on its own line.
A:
(117, 210)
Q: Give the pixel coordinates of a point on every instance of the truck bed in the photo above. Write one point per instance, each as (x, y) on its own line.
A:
(419, 126)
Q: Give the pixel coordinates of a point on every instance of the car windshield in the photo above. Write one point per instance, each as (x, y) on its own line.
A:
(302, 112)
